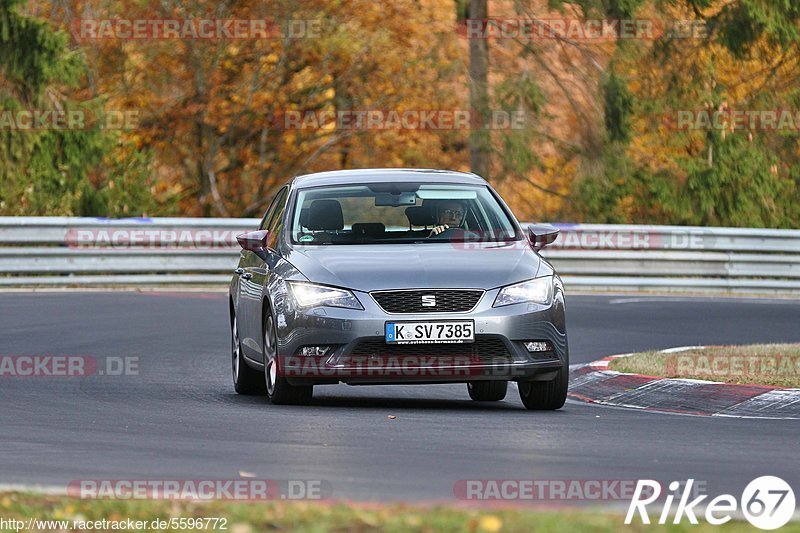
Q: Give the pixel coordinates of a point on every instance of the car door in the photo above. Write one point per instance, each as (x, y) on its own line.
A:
(254, 279)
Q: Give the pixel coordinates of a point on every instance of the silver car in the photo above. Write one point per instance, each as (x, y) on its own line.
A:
(388, 276)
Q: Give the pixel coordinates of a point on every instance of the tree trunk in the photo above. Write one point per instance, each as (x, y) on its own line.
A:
(479, 139)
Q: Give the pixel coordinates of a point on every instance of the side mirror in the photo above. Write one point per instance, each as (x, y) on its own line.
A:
(255, 241)
(541, 235)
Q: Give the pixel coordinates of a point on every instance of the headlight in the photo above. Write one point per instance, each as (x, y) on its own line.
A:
(539, 290)
(311, 295)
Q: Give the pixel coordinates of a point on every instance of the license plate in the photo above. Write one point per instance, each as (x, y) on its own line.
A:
(451, 331)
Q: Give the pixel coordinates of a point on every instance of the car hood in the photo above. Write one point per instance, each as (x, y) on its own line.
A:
(406, 266)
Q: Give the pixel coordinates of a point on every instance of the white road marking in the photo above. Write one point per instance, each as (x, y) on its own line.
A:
(678, 299)
(683, 349)
(50, 490)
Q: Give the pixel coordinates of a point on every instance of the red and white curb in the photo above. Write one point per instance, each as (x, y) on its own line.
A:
(595, 383)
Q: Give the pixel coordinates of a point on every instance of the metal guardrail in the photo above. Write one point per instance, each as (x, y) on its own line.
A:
(58, 251)
(678, 258)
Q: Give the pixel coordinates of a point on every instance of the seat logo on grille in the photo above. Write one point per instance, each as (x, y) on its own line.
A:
(428, 300)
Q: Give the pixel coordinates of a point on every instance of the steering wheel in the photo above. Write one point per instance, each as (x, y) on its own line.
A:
(460, 234)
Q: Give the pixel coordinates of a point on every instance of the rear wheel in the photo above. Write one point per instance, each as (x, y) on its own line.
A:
(279, 390)
(545, 395)
(487, 391)
(245, 380)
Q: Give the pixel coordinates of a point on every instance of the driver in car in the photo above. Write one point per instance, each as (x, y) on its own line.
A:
(449, 214)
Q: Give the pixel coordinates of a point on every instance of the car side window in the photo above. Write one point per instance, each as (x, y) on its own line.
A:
(270, 210)
(276, 200)
(276, 220)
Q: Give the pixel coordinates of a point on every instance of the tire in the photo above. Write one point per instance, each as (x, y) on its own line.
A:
(279, 390)
(487, 391)
(545, 395)
(246, 381)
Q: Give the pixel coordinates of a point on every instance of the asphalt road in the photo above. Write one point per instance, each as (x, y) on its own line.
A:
(179, 418)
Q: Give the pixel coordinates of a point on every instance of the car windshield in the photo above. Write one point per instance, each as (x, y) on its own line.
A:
(388, 213)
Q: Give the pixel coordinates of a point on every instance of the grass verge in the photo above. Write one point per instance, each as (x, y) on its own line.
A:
(763, 364)
(323, 517)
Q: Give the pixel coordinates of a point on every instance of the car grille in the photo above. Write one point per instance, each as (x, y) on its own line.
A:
(447, 301)
(483, 347)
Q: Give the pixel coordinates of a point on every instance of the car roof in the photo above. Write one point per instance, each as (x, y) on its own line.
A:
(385, 175)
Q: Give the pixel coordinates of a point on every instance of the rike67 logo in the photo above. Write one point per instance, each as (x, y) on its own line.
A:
(767, 503)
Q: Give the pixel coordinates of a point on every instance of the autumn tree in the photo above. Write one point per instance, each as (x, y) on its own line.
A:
(212, 109)
(598, 143)
(656, 170)
(479, 141)
(52, 165)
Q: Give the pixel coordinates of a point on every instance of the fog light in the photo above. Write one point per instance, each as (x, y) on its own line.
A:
(314, 351)
(538, 346)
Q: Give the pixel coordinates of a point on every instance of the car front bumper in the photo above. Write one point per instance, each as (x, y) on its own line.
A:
(358, 353)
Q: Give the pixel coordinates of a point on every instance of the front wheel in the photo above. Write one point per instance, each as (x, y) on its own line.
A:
(545, 395)
(246, 381)
(279, 390)
(487, 391)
